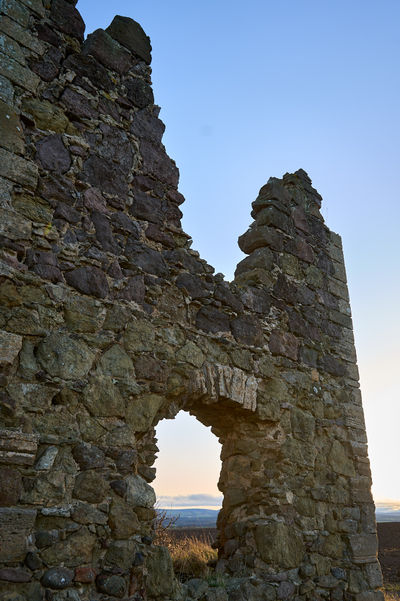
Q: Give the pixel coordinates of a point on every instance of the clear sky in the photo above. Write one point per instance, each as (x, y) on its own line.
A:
(254, 89)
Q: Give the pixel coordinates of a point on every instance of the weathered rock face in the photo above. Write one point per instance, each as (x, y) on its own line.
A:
(109, 322)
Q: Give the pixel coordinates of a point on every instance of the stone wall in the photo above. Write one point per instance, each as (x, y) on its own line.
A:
(110, 322)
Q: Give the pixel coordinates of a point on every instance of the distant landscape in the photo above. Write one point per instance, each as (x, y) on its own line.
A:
(195, 517)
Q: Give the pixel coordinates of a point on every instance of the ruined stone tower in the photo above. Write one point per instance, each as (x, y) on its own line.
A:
(110, 322)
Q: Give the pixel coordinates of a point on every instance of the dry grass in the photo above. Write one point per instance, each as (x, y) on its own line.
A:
(391, 592)
(191, 555)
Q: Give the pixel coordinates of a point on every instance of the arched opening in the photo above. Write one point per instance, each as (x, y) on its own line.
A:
(188, 468)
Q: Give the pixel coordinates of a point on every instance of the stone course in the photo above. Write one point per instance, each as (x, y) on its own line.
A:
(110, 322)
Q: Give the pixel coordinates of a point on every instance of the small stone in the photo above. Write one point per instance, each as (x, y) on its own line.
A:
(160, 577)
(139, 493)
(84, 513)
(11, 129)
(105, 175)
(57, 578)
(286, 590)
(47, 458)
(85, 66)
(52, 154)
(259, 237)
(149, 368)
(157, 163)
(88, 456)
(89, 280)
(212, 320)
(16, 73)
(77, 105)
(102, 397)
(283, 343)
(279, 545)
(134, 290)
(10, 486)
(131, 35)
(67, 19)
(120, 487)
(46, 115)
(139, 336)
(6, 90)
(194, 285)
(15, 575)
(139, 92)
(85, 574)
(190, 353)
(17, 169)
(104, 232)
(33, 561)
(10, 346)
(149, 260)
(90, 486)
(123, 520)
(127, 461)
(107, 51)
(272, 191)
(64, 357)
(248, 330)
(111, 585)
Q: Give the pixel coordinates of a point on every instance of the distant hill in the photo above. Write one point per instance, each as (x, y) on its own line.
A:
(207, 518)
(386, 512)
(193, 518)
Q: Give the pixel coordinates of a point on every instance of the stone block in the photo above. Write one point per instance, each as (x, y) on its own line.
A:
(10, 346)
(6, 90)
(364, 547)
(259, 237)
(35, 6)
(11, 48)
(123, 520)
(53, 154)
(11, 130)
(102, 397)
(107, 51)
(284, 343)
(15, 527)
(15, 11)
(64, 357)
(279, 545)
(131, 35)
(75, 550)
(15, 575)
(57, 578)
(160, 574)
(18, 169)
(46, 115)
(141, 411)
(18, 74)
(111, 584)
(10, 486)
(139, 493)
(67, 19)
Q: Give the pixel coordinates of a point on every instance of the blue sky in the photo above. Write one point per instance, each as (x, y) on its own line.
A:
(252, 90)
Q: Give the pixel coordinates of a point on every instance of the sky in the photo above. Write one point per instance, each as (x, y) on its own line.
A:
(255, 89)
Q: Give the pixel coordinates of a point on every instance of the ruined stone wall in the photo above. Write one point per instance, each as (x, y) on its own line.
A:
(110, 322)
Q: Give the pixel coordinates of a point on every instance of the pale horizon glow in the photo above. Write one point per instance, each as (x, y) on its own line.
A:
(256, 89)
(188, 464)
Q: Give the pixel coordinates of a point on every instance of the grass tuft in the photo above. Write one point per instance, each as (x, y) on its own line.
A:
(191, 555)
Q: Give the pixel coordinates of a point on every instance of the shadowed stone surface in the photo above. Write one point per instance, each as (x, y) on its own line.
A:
(110, 322)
